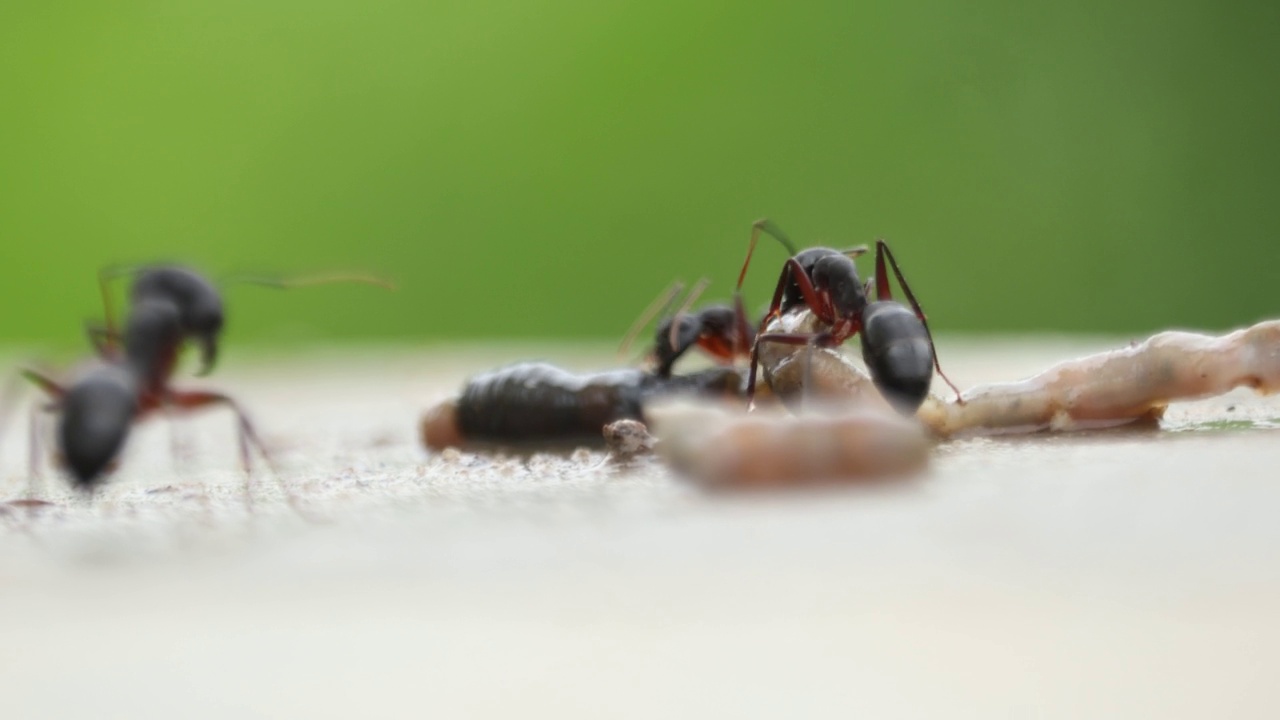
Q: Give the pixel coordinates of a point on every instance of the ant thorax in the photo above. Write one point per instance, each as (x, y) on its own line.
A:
(151, 338)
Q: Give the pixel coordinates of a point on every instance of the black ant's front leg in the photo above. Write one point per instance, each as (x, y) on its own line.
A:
(825, 339)
(883, 292)
(106, 342)
(247, 436)
(819, 303)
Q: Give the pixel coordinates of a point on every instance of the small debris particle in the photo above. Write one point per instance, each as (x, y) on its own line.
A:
(627, 439)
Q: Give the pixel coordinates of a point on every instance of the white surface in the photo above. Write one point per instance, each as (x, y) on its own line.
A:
(1127, 574)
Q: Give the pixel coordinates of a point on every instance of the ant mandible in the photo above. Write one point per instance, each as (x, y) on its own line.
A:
(897, 346)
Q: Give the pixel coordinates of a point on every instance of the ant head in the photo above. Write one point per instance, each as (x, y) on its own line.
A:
(837, 274)
(97, 412)
(719, 320)
(198, 303)
(685, 336)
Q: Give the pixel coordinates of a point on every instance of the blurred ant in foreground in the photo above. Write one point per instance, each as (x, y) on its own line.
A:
(897, 346)
(720, 331)
(170, 305)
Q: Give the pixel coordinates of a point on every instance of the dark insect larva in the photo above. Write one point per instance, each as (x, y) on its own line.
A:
(541, 404)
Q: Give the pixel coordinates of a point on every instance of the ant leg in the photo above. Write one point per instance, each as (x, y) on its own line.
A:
(819, 304)
(55, 391)
(8, 401)
(813, 341)
(51, 387)
(35, 476)
(176, 455)
(106, 343)
(33, 453)
(883, 293)
(742, 332)
(248, 437)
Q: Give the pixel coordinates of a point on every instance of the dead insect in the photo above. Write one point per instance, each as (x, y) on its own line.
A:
(540, 404)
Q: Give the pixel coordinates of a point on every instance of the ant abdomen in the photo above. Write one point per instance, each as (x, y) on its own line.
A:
(896, 349)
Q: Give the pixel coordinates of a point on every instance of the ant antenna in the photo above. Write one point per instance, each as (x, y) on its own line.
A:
(105, 275)
(656, 307)
(289, 283)
(692, 297)
(766, 226)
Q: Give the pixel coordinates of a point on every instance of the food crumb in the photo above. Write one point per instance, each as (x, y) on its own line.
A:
(627, 439)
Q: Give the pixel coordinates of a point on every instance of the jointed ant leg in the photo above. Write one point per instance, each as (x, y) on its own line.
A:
(106, 343)
(248, 436)
(742, 331)
(819, 303)
(55, 391)
(51, 387)
(883, 293)
(813, 341)
(35, 477)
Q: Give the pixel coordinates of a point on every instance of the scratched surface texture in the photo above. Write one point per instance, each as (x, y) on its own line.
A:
(1121, 574)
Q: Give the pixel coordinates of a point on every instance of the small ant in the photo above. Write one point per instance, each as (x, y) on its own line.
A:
(896, 343)
(720, 331)
(170, 305)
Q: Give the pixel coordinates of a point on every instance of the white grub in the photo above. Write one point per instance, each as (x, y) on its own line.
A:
(734, 451)
(627, 439)
(1118, 387)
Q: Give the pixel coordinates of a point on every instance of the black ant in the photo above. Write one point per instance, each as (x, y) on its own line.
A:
(720, 331)
(896, 343)
(170, 305)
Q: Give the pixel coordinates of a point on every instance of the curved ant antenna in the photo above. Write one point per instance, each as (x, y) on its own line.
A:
(287, 283)
(110, 334)
(689, 300)
(658, 306)
(766, 226)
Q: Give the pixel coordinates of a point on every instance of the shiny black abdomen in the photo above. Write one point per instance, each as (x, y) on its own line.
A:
(895, 347)
(97, 412)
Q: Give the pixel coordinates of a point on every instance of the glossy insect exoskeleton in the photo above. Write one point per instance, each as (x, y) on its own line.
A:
(896, 343)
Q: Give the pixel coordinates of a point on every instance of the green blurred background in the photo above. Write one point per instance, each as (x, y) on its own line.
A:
(542, 168)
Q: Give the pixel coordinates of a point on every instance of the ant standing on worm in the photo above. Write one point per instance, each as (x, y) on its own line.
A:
(897, 346)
